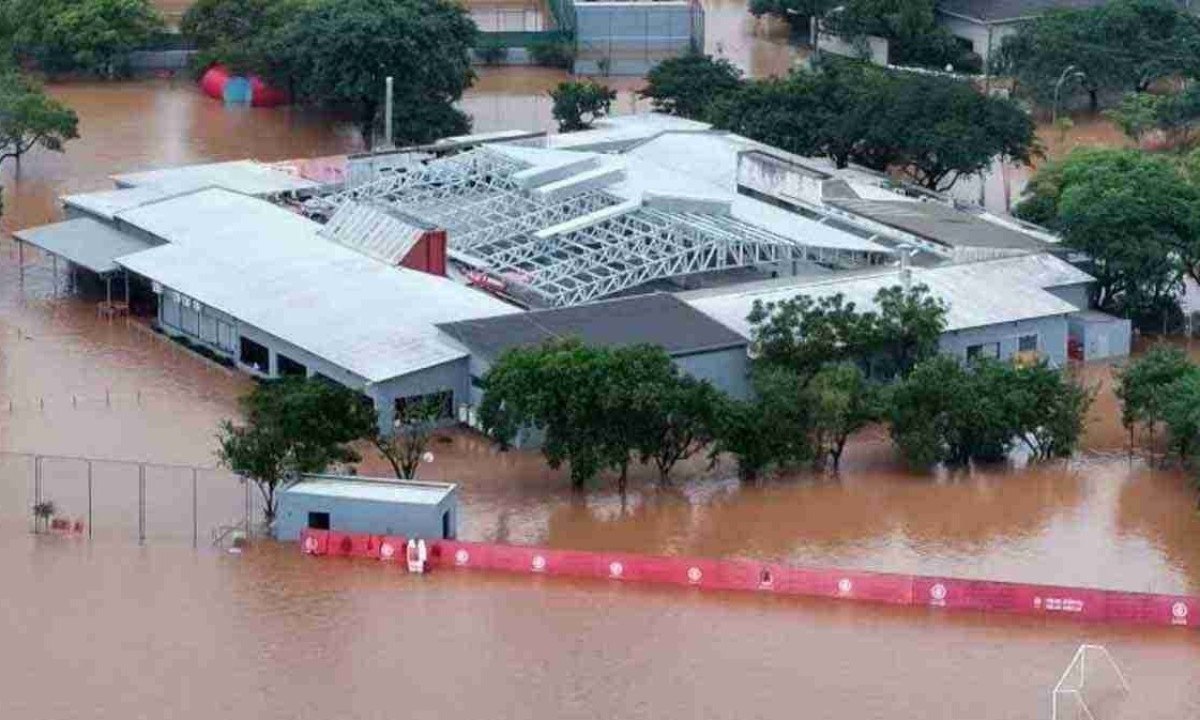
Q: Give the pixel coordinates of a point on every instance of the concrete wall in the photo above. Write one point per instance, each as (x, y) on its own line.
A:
(1051, 332)
(867, 47)
(365, 516)
(629, 38)
(977, 34)
(728, 370)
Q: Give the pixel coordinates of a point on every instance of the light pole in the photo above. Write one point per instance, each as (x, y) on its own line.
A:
(1068, 72)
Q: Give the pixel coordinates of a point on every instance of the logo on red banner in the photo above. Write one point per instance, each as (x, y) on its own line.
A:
(1179, 613)
(462, 557)
(539, 563)
(616, 569)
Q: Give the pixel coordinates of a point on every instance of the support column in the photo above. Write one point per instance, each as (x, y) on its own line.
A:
(125, 275)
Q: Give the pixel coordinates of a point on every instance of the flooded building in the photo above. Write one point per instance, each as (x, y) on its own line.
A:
(1021, 308)
(699, 346)
(366, 505)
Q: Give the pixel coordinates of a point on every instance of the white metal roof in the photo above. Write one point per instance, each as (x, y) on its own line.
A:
(85, 242)
(400, 492)
(373, 229)
(243, 176)
(107, 203)
(269, 267)
(977, 294)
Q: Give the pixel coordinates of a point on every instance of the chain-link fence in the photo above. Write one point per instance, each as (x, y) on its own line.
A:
(140, 501)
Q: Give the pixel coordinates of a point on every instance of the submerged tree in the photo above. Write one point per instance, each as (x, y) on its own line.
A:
(29, 119)
(337, 54)
(1144, 387)
(405, 446)
(292, 425)
(689, 85)
(578, 104)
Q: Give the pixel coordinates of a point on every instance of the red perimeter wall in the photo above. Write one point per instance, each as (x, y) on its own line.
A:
(748, 575)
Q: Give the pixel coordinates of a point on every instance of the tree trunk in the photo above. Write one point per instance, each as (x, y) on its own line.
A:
(1093, 100)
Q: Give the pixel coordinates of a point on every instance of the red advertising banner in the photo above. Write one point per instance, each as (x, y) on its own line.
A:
(747, 575)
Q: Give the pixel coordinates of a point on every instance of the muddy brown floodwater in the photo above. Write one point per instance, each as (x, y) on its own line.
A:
(107, 629)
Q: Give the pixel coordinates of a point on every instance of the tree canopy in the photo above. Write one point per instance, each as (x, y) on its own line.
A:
(336, 54)
(805, 334)
(687, 85)
(92, 36)
(1136, 216)
(1116, 46)
(948, 412)
(933, 129)
(29, 119)
(293, 425)
(579, 103)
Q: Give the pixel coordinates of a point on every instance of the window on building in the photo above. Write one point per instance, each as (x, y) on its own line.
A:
(318, 521)
(444, 399)
(984, 350)
(287, 367)
(1027, 343)
(225, 336)
(255, 355)
(476, 381)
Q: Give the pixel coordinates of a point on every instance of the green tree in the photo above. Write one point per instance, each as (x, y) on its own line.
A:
(914, 35)
(688, 85)
(1180, 409)
(1176, 116)
(90, 35)
(841, 402)
(1133, 214)
(234, 32)
(1050, 407)
(942, 129)
(1142, 387)
(29, 119)
(770, 430)
(681, 419)
(933, 129)
(1119, 45)
(292, 425)
(336, 54)
(805, 334)
(578, 104)
(947, 412)
(404, 446)
(588, 404)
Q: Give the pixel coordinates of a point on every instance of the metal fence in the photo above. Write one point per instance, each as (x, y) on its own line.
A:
(126, 499)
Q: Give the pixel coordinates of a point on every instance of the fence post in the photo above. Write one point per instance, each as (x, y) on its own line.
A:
(141, 503)
(89, 521)
(195, 514)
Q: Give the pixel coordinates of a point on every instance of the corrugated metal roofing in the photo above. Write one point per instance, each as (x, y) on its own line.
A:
(269, 268)
(400, 492)
(374, 229)
(977, 294)
(658, 319)
(940, 223)
(85, 242)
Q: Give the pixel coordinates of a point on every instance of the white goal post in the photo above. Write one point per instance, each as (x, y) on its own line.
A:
(1069, 690)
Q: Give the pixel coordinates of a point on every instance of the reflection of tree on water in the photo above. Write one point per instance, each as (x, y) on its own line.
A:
(1158, 507)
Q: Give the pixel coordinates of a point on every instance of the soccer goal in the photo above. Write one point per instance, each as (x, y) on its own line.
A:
(1091, 667)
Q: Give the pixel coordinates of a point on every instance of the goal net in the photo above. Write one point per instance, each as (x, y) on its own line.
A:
(1090, 687)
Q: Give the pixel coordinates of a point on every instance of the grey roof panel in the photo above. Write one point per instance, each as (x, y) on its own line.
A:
(86, 242)
(658, 319)
(941, 223)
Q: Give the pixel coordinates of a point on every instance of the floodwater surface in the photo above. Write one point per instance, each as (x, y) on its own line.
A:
(108, 629)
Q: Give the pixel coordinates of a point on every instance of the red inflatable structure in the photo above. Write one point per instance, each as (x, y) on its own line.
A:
(1110, 606)
(218, 83)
